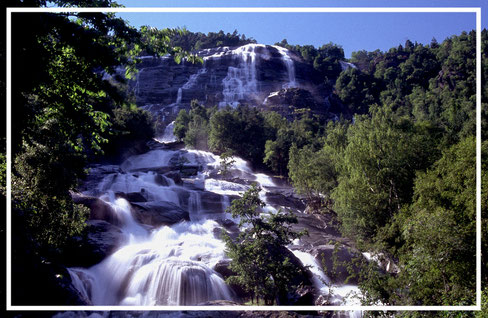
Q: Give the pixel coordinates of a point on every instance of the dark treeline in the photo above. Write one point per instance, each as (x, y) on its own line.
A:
(192, 41)
(399, 177)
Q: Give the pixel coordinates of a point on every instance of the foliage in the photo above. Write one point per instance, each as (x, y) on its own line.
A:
(380, 159)
(181, 124)
(241, 130)
(191, 41)
(72, 107)
(440, 231)
(226, 162)
(325, 59)
(357, 90)
(313, 174)
(257, 253)
(193, 127)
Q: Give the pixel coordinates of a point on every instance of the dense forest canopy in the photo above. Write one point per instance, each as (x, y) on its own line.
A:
(398, 172)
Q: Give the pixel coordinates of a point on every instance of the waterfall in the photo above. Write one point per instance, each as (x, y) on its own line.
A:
(168, 263)
(168, 135)
(179, 95)
(241, 81)
(290, 67)
(192, 80)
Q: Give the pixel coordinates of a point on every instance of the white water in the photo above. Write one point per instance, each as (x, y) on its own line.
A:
(290, 67)
(346, 65)
(168, 135)
(179, 96)
(241, 81)
(170, 264)
(192, 80)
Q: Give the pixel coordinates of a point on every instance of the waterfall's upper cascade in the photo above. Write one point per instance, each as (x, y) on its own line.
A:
(169, 207)
(228, 76)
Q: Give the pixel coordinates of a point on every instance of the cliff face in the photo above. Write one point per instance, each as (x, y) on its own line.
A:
(252, 74)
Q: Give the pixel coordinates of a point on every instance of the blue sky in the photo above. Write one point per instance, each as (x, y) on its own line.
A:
(353, 31)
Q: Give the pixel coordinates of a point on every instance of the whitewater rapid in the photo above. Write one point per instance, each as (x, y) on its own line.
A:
(171, 264)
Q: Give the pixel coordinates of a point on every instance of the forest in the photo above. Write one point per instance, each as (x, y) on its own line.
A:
(396, 170)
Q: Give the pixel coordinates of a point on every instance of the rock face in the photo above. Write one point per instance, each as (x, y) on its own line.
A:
(253, 74)
(157, 213)
(335, 261)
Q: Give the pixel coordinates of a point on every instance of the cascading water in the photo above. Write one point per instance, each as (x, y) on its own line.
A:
(241, 81)
(192, 80)
(179, 96)
(290, 67)
(168, 135)
(168, 264)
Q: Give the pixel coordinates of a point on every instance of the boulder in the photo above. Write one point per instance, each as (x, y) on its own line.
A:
(161, 180)
(99, 240)
(320, 230)
(212, 202)
(304, 295)
(175, 176)
(157, 213)
(222, 267)
(335, 262)
(287, 201)
(99, 209)
(132, 196)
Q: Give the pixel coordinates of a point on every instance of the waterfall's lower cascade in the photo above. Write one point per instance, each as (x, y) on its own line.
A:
(170, 206)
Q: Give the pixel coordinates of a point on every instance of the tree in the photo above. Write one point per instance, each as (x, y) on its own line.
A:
(262, 265)
(358, 91)
(440, 231)
(181, 124)
(382, 154)
(313, 174)
(226, 162)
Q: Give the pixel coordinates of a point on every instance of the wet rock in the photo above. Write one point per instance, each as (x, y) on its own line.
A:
(285, 200)
(99, 209)
(159, 81)
(212, 202)
(99, 240)
(320, 231)
(219, 303)
(157, 213)
(161, 180)
(132, 196)
(175, 176)
(222, 267)
(189, 171)
(335, 261)
(303, 296)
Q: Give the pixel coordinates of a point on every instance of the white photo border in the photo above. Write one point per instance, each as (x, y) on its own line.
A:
(476, 10)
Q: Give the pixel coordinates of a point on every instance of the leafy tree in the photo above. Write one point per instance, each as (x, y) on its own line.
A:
(241, 130)
(258, 253)
(440, 231)
(358, 91)
(70, 107)
(226, 162)
(190, 41)
(382, 154)
(181, 124)
(313, 174)
(276, 151)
